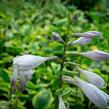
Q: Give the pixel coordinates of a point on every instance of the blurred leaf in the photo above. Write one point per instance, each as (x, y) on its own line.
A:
(4, 75)
(41, 100)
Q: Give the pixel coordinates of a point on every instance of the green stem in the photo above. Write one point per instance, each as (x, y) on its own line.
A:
(62, 64)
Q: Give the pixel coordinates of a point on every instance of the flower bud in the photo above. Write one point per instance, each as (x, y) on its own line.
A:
(81, 41)
(56, 37)
(88, 34)
(92, 78)
(96, 55)
(74, 18)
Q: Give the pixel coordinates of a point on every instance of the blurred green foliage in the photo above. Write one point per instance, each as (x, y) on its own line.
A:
(26, 27)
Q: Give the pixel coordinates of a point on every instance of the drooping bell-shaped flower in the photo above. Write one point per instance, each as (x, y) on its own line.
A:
(96, 55)
(81, 41)
(95, 95)
(28, 62)
(93, 78)
(88, 34)
(61, 103)
(24, 65)
(56, 37)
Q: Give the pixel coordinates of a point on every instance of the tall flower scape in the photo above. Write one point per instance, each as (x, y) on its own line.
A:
(92, 88)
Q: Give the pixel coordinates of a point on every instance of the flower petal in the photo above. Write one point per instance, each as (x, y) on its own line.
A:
(24, 77)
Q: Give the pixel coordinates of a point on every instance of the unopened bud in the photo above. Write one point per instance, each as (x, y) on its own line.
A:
(96, 55)
(81, 41)
(74, 18)
(56, 37)
(88, 34)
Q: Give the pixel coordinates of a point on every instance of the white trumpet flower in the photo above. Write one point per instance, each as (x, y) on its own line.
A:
(96, 55)
(94, 94)
(93, 78)
(61, 103)
(24, 65)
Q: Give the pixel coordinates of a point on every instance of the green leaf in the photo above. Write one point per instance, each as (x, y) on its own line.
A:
(4, 75)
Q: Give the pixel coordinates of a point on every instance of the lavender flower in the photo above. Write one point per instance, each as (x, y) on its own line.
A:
(95, 95)
(81, 41)
(92, 78)
(24, 65)
(88, 34)
(96, 55)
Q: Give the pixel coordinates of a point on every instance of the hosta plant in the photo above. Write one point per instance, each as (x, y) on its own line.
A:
(92, 88)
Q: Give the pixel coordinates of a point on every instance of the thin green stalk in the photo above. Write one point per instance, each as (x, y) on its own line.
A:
(62, 65)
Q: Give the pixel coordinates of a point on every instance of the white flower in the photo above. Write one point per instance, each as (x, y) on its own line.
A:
(95, 95)
(61, 103)
(81, 41)
(92, 78)
(24, 65)
(96, 55)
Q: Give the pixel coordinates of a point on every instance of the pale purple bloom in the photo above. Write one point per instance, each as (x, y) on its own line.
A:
(96, 55)
(57, 37)
(24, 65)
(93, 78)
(95, 95)
(81, 41)
(89, 34)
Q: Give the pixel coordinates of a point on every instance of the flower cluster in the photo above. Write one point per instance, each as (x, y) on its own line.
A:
(92, 88)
